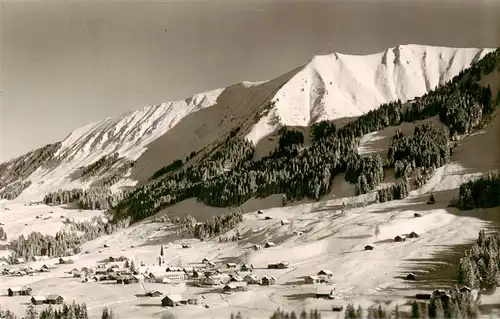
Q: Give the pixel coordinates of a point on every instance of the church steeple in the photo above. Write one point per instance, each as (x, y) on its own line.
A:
(161, 258)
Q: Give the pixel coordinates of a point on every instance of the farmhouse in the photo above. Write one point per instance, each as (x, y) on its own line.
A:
(246, 267)
(268, 218)
(154, 293)
(171, 301)
(175, 275)
(235, 286)
(173, 269)
(64, 261)
(285, 222)
(413, 235)
(19, 291)
(417, 215)
(235, 278)
(398, 238)
(231, 265)
(268, 280)
(252, 280)
(257, 247)
(316, 279)
(186, 246)
(369, 247)
(211, 281)
(326, 292)
(269, 244)
(54, 300)
(38, 300)
(192, 300)
(410, 276)
(260, 212)
(280, 265)
(325, 272)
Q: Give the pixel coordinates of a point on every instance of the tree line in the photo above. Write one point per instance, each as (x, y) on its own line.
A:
(66, 311)
(66, 242)
(217, 225)
(100, 198)
(480, 193)
(480, 265)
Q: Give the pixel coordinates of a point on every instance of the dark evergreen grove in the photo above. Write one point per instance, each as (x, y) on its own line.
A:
(66, 242)
(481, 193)
(229, 176)
(66, 311)
(480, 265)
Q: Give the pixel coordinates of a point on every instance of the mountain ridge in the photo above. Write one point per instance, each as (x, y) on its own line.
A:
(328, 87)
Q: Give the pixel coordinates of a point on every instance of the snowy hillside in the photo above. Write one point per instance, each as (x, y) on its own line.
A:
(328, 87)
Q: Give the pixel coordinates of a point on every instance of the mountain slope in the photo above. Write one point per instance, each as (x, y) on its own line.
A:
(328, 87)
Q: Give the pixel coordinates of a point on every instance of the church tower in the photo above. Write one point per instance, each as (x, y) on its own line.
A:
(161, 258)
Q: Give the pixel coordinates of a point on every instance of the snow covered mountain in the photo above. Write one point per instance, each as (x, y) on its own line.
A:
(329, 87)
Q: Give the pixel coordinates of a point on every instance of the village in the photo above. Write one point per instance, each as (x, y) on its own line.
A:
(209, 275)
(225, 278)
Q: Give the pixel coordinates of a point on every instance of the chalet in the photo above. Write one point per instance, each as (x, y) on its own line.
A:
(208, 273)
(252, 280)
(398, 238)
(19, 291)
(417, 215)
(19, 260)
(160, 279)
(101, 271)
(369, 247)
(195, 274)
(44, 268)
(154, 293)
(186, 246)
(410, 276)
(413, 235)
(285, 222)
(269, 244)
(246, 267)
(171, 301)
(324, 272)
(38, 300)
(315, 279)
(105, 246)
(257, 247)
(326, 292)
(268, 218)
(268, 280)
(235, 279)
(192, 300)
(260, 212)
(175, 275)
(337, 308)
(438, 293)
(54, 300)
(64, 261)
(211, 281)
(100, 278)
(231, 265)
(280, 265)
(235, 286)
(173, 269)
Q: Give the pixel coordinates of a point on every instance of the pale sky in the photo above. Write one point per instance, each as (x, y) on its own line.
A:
(64, 65)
